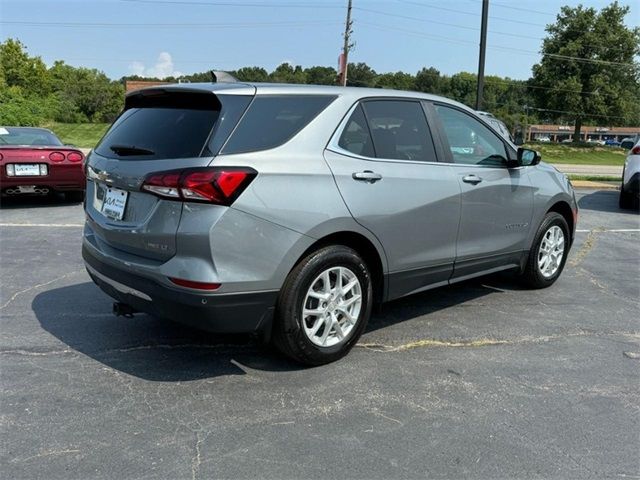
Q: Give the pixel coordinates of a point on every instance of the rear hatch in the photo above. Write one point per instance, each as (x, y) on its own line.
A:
(160, 130)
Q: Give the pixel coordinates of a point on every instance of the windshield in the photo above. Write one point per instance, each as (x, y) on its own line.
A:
(25, 136)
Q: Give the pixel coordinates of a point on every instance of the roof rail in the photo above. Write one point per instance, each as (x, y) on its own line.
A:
(222, 77)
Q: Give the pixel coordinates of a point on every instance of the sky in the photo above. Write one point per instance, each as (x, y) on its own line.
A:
(160, 38)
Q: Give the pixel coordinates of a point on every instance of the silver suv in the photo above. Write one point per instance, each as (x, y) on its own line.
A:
(289, 211)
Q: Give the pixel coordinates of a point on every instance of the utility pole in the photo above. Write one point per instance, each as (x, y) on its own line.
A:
(347, 46)
(483, 48)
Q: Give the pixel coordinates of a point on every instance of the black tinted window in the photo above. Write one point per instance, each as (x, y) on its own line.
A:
(469, 140)
(355, 137)
(162, 125)
(399, 130)
(273, 120)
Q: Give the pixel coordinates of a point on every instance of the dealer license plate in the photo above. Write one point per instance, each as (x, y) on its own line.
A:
(115, 201)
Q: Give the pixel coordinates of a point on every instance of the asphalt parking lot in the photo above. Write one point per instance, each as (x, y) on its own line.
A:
(478, 380)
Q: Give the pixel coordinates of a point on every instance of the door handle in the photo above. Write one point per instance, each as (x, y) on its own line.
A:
(473, 179)
(367, 176)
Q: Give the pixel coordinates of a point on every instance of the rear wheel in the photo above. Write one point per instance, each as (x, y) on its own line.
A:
(324, 306)
(549, 252)
(626, 199)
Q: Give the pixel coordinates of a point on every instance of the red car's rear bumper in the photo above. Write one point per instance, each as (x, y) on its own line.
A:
(62, 177)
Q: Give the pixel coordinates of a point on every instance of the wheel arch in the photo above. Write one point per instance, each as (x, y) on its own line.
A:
(563, 208)
(365, 248)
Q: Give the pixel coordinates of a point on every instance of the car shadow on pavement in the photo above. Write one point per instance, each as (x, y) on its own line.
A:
(603, 201)
(54, 200)
(146, 347)
(158, 350)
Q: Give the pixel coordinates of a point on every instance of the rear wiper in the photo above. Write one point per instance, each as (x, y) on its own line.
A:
(124, 150)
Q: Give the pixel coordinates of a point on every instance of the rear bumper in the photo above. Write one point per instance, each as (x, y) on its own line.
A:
(221, 313)
(60, 178)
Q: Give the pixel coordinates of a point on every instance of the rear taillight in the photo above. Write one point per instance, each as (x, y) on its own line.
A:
(74, 157)
(1, 157)
(56, 156)
(636, 150)
(217, 185)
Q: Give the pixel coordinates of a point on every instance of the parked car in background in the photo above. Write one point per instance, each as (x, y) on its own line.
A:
(290, 210)
(497, 124)
(542, 139)
(33, 161)
(612, 142)
(629, 142)
(630, 187)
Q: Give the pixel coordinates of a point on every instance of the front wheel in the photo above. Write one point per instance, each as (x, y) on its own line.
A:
(548, 253)
(324, 306)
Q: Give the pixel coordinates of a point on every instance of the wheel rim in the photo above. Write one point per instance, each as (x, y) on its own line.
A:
(332, 307)
(551, 252)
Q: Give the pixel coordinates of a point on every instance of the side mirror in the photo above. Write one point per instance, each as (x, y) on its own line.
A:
(527, 158)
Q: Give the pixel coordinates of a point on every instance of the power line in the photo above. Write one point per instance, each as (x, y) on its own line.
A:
(462, 12)
(237, 4)
(520, 9)
(438, 22)
(166, 25)
(499, 47)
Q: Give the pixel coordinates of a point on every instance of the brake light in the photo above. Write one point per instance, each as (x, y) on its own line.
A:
(1, 157)
(56, 156)
(635, 150)
(217, 185)
(197, 285)
(74, 157)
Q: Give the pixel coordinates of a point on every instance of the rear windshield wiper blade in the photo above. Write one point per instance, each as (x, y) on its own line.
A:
(124, 150)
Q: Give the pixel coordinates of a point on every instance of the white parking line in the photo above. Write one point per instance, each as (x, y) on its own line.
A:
(64, 225)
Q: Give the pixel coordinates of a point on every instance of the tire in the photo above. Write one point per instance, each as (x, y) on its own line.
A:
(75, 196)
(626, 199)
(534, 275)
(293, 332)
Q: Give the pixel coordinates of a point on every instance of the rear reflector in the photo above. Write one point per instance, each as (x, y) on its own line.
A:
(56, 156)
(196, 285)
(216, 185)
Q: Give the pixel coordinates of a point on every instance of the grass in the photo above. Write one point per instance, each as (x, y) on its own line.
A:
(84, 135)
(579, 155)
(595, 178)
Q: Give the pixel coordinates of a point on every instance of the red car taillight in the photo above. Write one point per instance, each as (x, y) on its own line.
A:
(196, 285)
(74, 157)
(1, 157)
(636, 150)
(217, 185)
(56, 156)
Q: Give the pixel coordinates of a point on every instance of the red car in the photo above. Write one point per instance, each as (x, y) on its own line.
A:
(34, 161)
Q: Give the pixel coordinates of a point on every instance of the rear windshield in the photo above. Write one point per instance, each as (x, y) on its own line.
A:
(160, 125)
(28, 137)
(273, 120)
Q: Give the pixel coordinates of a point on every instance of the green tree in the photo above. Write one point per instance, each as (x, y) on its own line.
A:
(252, 74)
(20, 70)
(429, 80)
(321, 75)
(360, 75)
(397, 81)
(286, 73)
(588, 67)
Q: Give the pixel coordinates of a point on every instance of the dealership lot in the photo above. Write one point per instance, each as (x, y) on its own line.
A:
(478, 380)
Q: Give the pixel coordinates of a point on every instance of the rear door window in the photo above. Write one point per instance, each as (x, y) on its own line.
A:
(273, 120)
(162, 125)
(399, 130)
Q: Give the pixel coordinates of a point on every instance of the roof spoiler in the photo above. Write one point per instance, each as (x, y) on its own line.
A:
(222, 77)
